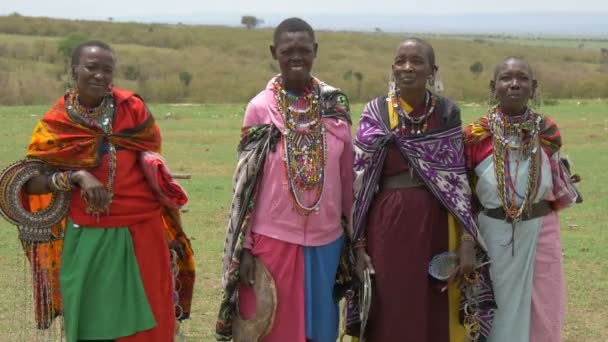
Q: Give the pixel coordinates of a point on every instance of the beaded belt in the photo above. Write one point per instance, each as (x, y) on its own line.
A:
(401, 181)
(539, 209)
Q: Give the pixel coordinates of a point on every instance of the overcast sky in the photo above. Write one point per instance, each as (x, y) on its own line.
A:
(142, 8)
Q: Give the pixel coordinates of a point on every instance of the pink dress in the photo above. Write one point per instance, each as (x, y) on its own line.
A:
(279, 234)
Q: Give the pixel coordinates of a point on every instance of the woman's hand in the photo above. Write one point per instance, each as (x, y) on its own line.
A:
(466, 265)
(467, 257)
(92, 191)
(363, 262)
(247, 268)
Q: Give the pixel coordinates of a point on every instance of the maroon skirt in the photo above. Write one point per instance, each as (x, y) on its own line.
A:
(405, 229)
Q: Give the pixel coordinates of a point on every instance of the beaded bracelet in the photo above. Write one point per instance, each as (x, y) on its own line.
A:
(70, 179)
(50, 181)
(60, 181)
(467, 237)
(471, 278)
(360, 243)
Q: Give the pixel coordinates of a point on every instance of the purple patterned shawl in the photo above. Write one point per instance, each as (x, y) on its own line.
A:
(438, 157)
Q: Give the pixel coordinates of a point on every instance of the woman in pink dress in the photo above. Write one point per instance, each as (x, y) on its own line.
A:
(289, 212)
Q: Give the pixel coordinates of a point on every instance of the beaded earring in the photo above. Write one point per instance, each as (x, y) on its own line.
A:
(536, 98)
(392, 83)
(491, 98)
(437, 84)
(70, 84)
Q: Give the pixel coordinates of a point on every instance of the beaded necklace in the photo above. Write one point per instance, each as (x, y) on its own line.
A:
(304, 144)
(525, 131)
(417, 125)
(101, 117)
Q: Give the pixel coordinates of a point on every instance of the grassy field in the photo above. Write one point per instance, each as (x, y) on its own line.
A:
(201, 140)
(227, 64)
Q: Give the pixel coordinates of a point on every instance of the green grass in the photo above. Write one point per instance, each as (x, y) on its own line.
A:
(201, 140)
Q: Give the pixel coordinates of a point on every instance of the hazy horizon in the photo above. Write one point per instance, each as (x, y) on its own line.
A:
(583, 18)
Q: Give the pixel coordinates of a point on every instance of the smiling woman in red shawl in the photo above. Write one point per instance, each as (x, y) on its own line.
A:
(107, 268)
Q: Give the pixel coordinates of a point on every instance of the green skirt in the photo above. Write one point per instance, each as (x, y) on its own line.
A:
(101, 288)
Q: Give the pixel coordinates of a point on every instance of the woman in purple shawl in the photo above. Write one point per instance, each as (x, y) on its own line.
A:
(412, 204)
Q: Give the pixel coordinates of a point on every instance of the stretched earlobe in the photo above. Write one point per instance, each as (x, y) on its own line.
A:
(74, 72)
(273, 52)
(492, 86)
(534, 89)
(492, 95)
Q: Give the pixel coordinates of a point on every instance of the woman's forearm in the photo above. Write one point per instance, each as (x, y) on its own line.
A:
(38, 185)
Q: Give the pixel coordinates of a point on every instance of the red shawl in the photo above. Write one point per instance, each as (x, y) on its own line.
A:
(64, 140)
(478, 142)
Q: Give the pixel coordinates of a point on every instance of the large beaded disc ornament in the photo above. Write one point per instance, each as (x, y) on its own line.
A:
(443, 265)
(366, 301)
(32, 226)
(257, 327)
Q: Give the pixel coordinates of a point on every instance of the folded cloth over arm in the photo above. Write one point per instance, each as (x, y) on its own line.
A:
(168, 192)
(172, 197)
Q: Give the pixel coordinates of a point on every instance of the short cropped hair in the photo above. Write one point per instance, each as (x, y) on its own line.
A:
(429, 48)
(515, 59)
(292, 25)
(91, 43)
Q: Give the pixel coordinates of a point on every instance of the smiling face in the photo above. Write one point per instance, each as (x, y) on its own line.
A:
(295, 52)
(513, 85)
(412, 66)
(93, 74)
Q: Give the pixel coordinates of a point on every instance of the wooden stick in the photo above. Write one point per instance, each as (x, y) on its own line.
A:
(181, 176)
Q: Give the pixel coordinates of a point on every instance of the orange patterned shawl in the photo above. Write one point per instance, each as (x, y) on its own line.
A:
(64, 140)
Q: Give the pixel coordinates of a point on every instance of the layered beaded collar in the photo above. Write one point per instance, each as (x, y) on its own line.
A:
(408, 123)
(304, 144)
